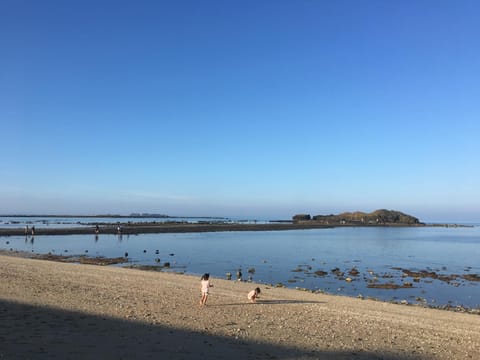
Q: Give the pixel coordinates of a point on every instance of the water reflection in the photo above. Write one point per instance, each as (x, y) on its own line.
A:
(29, 239)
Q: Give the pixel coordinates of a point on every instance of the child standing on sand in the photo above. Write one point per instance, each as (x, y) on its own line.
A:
(205, 285)
(253, 295)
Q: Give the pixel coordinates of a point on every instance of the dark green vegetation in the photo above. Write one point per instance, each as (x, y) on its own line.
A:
(378, 217)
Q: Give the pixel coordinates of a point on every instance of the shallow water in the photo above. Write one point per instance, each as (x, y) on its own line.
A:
(292, 257)
(70, 222)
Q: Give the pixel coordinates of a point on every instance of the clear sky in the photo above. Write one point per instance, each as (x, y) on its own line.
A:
(260, 109)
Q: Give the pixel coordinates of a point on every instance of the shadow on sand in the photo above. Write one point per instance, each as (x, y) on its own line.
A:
(270, 302)
(281, 302)
(31, 332)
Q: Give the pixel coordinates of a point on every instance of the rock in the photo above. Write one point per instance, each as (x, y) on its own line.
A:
(383, 286)
(471, 277)
(337, 272)
(353, 272)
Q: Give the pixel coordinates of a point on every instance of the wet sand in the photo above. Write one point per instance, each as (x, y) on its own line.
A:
(58, 310)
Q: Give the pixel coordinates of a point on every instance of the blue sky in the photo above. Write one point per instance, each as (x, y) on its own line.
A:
(240, 108)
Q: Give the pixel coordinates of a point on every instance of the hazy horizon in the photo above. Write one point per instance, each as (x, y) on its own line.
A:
(245, 216)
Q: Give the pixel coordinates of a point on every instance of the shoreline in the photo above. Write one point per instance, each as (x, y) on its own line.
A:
(52, 309)
(122, 262)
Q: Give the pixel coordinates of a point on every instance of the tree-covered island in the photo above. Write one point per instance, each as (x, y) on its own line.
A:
(359, 218)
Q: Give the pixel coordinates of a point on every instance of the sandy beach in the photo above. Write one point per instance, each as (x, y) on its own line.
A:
(52, 310)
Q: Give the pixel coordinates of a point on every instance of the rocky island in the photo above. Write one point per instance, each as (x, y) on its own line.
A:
(380, 217)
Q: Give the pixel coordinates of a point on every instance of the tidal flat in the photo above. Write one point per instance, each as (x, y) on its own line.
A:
(427, 266)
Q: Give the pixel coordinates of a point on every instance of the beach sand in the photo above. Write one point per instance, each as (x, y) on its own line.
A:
(52, 310)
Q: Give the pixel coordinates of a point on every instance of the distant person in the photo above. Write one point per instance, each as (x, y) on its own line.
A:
(97, 229)
(205, 285)
(26, 230)
(239, 275)
(253, 295)
(33, 230)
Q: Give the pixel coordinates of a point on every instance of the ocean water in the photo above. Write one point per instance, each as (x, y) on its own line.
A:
(70, 222)
(292, 257)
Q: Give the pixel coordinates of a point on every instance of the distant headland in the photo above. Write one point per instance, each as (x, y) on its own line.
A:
(359, 218)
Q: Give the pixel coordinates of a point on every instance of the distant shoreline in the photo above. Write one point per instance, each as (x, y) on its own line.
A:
(157, 228)
(114, 216)
(208, 224)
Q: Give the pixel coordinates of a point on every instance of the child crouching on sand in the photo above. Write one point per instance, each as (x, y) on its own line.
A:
(253, 295)
(205, 285)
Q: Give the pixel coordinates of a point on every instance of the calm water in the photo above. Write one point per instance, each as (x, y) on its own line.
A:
(69, 222)
(292, 257)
